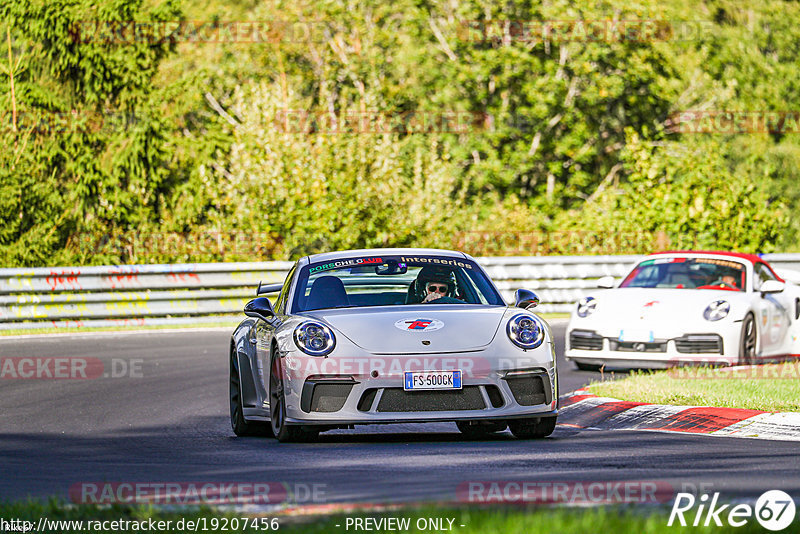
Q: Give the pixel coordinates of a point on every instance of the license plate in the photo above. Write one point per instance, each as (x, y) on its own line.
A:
(418, 380)
(636, 335)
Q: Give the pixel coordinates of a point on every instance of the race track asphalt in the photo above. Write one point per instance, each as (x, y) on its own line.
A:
(169, 423)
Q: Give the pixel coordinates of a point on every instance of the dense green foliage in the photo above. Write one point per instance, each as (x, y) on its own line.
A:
(160, 150)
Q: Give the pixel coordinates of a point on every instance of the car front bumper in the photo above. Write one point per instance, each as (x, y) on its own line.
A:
(695, 348)
(497, 384)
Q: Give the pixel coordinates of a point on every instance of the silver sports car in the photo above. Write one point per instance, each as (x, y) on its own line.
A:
(391, 336)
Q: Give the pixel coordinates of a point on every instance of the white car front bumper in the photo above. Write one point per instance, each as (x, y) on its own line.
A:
(666, 347)
(494, 388)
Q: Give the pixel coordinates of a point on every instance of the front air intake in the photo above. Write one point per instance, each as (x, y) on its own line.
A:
(528, 390)
(585, 340)
(398, 400)
(699, 344)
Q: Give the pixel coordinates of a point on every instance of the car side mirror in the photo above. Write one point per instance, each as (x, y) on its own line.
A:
(260, 308)
(606, 282)
(268, 288)
(772, 286)
(524, 298)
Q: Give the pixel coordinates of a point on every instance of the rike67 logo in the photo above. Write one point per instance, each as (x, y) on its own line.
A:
(774, 510)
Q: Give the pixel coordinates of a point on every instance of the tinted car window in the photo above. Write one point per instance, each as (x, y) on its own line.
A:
(762, 274)
(280, 304)
(390, 281)
(688, 273)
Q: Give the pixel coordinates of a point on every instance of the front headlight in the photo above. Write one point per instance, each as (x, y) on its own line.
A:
(315, 339)
(586, 306)
(525, 331)
(717, 310)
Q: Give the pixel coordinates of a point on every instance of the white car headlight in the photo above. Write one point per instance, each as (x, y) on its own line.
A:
(315, 339)
(717, 310)
(525, 331)
(586, 306)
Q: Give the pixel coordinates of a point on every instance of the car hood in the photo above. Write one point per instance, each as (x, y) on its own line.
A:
(401, 329)
(646, 304)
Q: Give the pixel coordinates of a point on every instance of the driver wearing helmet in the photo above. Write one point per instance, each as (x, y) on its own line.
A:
(434, 284)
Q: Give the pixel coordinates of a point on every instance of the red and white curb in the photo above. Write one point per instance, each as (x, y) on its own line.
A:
(581, 409)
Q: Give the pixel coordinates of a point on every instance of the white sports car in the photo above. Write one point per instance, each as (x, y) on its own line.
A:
(391, 336)
(677, 308)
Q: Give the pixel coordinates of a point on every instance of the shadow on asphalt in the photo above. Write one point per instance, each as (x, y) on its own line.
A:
(366, 464)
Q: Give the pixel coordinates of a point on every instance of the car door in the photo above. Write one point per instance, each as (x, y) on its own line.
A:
(265, 332)
(774, 312)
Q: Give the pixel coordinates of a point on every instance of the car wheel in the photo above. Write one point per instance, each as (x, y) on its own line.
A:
(534, 428)
(240, 426)
(476, 429)
(587, 366)
(283, 432)
(748, 341)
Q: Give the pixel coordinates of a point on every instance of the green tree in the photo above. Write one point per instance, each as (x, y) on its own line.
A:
(692, 194)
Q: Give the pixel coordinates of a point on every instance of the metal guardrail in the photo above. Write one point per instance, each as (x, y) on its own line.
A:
(217, 292)
(130, 294)
(559, 281)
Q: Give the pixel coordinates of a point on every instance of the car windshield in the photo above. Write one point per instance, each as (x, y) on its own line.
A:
(688, 273)
(392, 280)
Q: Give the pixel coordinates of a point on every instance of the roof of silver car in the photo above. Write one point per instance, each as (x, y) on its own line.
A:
(332, 256)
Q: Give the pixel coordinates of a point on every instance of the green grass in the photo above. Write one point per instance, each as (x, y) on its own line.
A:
(476, 520)
(757, 388)
(560, 315)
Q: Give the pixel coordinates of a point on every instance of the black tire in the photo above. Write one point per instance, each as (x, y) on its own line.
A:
(748, 341)
(283, 432)
(534, 428)
(587, 366)
(477, 429)
(240, 426)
